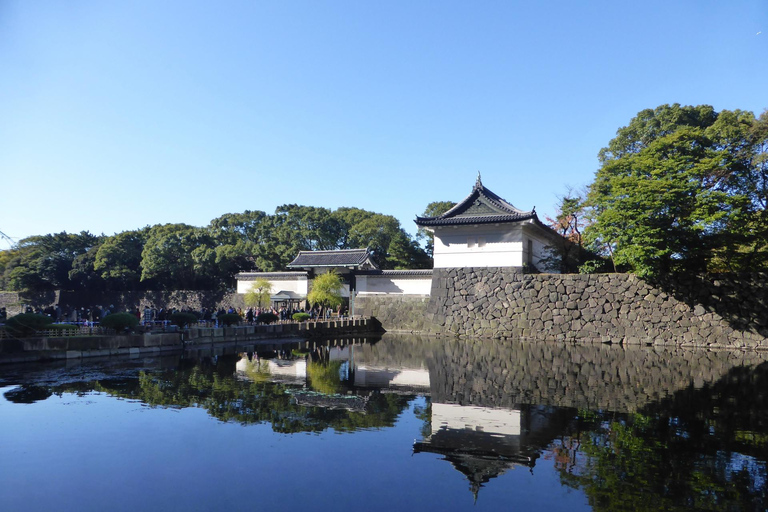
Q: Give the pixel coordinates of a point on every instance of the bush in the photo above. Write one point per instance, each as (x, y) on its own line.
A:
(266, 318)
(229, 319)
(119, 321)
(300, 317)
(183, 319)
(26, 324)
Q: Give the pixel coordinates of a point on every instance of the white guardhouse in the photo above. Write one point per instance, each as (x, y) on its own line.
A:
(484, 230)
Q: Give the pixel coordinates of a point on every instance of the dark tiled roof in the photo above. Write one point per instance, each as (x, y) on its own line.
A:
(416, 272)
(340, 258)
(250, 276)
(481, 206)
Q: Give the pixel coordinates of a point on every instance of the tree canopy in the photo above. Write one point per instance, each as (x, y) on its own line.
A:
(683, 189)
(326, 290)
(180, 256)
(259, 293)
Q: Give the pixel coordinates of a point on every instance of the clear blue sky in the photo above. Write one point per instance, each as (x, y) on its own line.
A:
(117, 115)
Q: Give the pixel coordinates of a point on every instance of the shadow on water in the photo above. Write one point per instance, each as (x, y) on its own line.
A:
(634, 428)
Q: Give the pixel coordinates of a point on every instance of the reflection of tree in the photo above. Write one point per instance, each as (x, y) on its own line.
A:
(425, 415)
(213, 387)
(699, 449)
(324, 376)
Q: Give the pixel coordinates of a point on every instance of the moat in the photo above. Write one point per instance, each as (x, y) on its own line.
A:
(396, 422)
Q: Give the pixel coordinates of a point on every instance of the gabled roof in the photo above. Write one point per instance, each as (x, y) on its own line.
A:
(481, 206)
(340, 258)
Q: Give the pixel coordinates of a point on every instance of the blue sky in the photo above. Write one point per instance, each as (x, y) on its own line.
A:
(117, 115)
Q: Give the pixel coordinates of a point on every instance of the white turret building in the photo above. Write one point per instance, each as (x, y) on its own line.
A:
(484, 230)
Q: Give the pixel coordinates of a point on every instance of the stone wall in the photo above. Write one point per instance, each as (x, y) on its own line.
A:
(397, 313)
(723, 311)
(194, 299)
(719, 311)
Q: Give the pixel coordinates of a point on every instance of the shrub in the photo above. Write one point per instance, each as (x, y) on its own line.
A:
(119, 321)
(26, 324)
(300, 317)
(183, 319)
(266, 318)
(229, 319)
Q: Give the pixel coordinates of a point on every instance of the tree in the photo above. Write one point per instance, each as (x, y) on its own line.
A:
(41, 263)
(179, 256)
(566, 255)
(259, 293)
(326, 290)
(118, 259)
(433, 209)
(683, 190)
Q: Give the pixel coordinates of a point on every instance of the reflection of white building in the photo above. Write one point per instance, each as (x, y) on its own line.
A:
(294, 371)
(480, 442)
(411, 379)
(481, 419)
(279, 370)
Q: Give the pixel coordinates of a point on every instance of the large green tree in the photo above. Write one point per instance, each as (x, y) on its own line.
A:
(683, 190)
(40, 263)
(118, 259)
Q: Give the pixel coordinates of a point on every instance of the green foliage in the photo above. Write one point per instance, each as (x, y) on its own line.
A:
(183, 319)
(42, 263)
(179, 256)
(300, 317)
(567, 254)
(26, 324)
(326, 290)
(259, 293)
(324, 377)
(266, 318)
(118, 259)
(119, 321)
(433, 209)
(683, 189)
(229, 319)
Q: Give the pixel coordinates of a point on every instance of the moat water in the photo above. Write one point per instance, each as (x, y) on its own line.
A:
(397, 423)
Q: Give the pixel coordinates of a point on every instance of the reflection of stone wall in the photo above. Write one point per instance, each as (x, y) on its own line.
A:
(502, 303)
(622, 379)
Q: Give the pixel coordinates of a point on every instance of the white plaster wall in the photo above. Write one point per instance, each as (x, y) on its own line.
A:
(394, 285)
(493, 421)
(479, 246)
(386, 377)
(299, 286)
(540, 244)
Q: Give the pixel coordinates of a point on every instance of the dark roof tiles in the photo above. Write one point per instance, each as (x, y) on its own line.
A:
(481, 206)
(339, 258)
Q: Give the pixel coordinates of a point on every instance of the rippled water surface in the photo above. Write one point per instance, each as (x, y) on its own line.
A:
(398, 423)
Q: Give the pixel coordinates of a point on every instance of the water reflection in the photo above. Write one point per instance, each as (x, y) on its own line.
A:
(633, 428)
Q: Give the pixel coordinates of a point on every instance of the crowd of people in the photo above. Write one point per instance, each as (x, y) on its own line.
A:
(90, 316)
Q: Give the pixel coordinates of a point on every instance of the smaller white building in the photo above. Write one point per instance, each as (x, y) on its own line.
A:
(484, 230)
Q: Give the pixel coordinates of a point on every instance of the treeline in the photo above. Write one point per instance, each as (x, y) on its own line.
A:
(180, 256)
(680, 190)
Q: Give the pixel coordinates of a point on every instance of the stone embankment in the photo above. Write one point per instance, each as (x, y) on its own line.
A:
(722, 311)
(13, 350)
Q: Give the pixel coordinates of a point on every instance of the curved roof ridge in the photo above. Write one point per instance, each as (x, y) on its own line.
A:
(505, 211)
